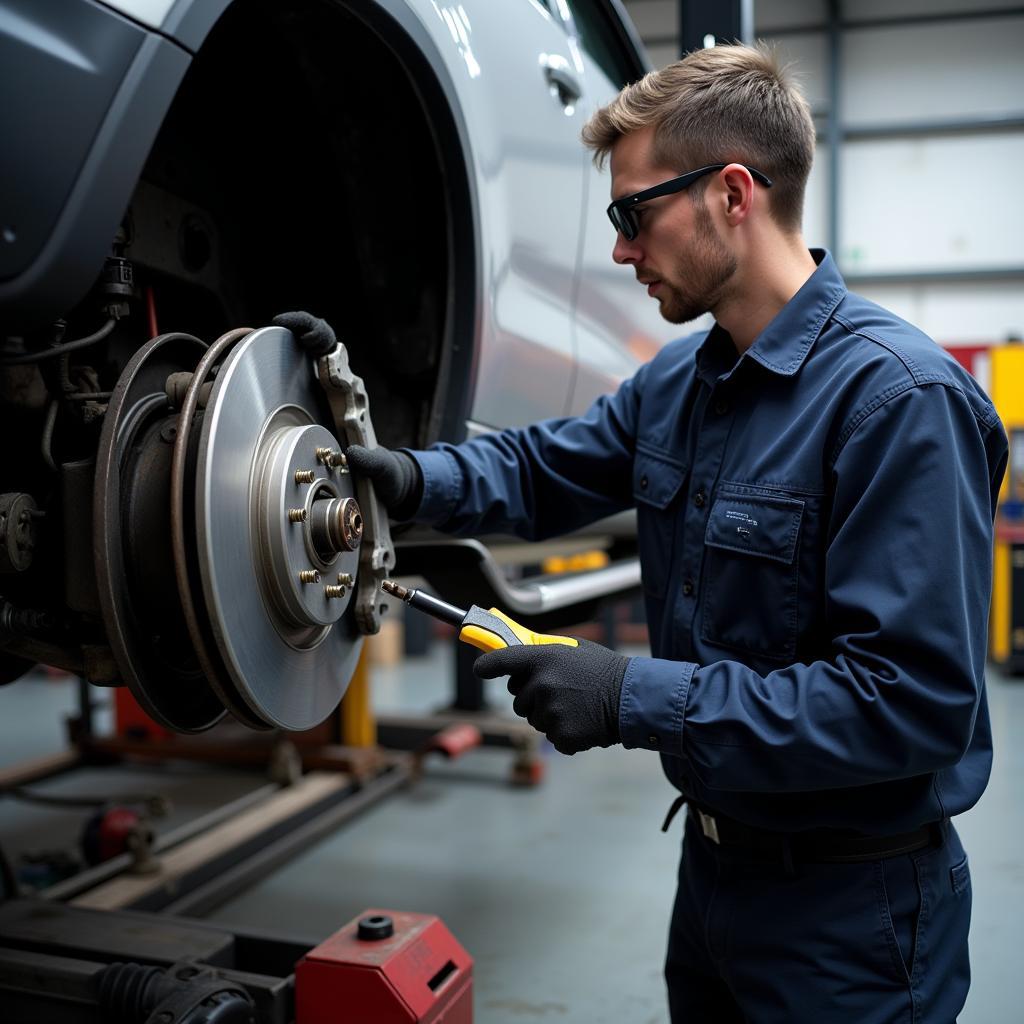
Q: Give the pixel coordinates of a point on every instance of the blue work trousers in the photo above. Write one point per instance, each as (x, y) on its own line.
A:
(763, 942)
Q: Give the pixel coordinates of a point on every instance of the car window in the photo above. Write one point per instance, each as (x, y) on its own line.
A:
(605, 41)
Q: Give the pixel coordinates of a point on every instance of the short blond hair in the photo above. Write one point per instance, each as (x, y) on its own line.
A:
(720, 105)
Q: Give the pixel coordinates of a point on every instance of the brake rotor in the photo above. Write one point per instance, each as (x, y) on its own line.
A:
(277, 533)
(134, 568)
(183, 534)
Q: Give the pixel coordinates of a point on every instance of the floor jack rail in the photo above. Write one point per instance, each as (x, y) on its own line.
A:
(205, 871)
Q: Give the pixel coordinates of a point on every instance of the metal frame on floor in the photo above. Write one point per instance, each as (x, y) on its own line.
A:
(202, 863)
(316, 784)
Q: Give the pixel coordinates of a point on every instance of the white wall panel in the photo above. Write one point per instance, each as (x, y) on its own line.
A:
(956, 312)
(938, 203)
(858, 10)
(816, 201)
(933, 72)
(809, 56)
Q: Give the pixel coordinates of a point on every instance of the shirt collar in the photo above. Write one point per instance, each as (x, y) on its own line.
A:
(783, 345)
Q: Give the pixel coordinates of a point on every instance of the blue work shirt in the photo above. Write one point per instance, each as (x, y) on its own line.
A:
(815, 531)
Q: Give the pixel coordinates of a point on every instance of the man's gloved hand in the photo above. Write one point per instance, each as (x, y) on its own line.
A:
(571, 694)
(396, 477)
(316, 336)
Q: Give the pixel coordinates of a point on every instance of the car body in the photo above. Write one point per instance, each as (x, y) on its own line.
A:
(410, 170)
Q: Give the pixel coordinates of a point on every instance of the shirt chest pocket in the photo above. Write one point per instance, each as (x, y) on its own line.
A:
(657, 480)
(751, 573)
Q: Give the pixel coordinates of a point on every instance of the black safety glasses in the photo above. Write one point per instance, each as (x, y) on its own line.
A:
(620, 212)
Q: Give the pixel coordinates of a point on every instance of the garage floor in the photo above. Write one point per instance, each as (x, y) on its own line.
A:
(560, 893)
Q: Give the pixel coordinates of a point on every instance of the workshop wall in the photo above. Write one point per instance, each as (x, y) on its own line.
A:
(919, 106)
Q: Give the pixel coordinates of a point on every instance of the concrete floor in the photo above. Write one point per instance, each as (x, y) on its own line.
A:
(560, 893)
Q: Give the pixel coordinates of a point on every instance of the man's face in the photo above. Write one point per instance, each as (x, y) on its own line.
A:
(677, 252)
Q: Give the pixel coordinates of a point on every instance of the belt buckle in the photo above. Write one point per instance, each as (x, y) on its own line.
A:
(709, 827)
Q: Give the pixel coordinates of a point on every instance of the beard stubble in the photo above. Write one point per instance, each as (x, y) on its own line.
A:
(702, 277)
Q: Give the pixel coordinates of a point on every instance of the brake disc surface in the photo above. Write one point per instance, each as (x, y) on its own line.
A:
(277, 530)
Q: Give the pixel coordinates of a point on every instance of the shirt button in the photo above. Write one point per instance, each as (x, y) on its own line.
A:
(652, 740)
(688, 587)
(700, 498)
(643, 483)
(722, 407)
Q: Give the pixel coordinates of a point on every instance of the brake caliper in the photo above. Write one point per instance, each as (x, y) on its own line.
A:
(350, 408)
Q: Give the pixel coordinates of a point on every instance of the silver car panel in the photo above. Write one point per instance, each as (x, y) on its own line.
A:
(617, 326)
(556, 322)
(511, 72)
(151, 13)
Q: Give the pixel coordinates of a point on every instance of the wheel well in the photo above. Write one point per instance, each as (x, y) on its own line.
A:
(305, 165)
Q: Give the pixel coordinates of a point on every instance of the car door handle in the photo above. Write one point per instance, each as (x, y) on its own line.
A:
(563, 83)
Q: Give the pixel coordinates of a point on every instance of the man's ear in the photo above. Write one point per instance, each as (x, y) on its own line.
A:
(738, 192)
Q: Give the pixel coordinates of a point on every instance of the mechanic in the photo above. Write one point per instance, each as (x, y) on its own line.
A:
(815, 482)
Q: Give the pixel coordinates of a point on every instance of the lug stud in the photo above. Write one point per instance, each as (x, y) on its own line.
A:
(332, 458)
(309, 576)
(345, 579)
(297, 515)
(332, 591)
(305, 476)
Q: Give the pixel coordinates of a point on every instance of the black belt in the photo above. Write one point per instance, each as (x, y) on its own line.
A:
(820, 846)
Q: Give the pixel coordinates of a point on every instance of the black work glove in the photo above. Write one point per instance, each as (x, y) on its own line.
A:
(316, 336)
(571, 694)
(396, 477)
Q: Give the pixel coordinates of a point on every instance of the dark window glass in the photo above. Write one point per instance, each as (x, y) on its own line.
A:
(604, 40)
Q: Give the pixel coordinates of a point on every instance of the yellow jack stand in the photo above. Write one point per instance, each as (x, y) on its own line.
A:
(358, 725)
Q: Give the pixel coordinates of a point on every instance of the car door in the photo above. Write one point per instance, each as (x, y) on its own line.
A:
(521, 88)
(616, 325)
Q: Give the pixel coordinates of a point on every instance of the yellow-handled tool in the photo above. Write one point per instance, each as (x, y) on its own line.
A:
(488, 630)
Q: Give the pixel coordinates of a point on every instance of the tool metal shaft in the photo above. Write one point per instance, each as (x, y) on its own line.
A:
(426, 603)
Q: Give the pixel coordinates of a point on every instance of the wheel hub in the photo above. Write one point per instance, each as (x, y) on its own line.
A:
(299, 551)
